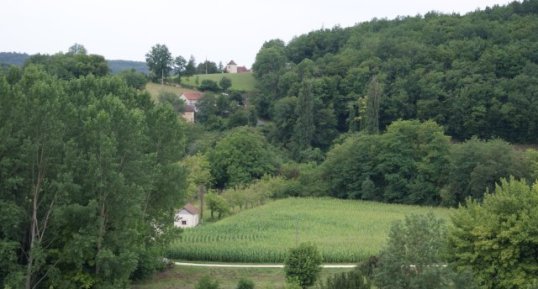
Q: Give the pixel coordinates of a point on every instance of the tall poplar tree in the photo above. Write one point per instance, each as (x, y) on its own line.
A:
(305, 126)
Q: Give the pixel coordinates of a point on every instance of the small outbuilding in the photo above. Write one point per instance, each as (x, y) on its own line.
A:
(187, 217)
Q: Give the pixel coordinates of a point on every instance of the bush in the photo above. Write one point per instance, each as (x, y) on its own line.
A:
(245, 284)
(303, 265)
(347, 280)
(208, 84)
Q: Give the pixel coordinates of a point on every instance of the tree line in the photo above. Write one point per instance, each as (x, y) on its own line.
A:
(89, 175)
(412, 162)
(161, 64)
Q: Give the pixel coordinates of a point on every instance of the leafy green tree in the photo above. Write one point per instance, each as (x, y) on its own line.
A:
(304, 127)
(240, 157)
(407, 164)
(225, 83)
(414, 256)
(159, 61)
(190, 68)
(77, 49)
(268, 67)
(179, 65)
(475, 167)
(496, 238)
(170, 98)
(371, 118)
(284, 117)
(134, 79)
(217, 204)
(207, 67)
(303, 265)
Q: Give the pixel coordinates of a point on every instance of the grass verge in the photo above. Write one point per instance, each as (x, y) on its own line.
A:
(181, 277)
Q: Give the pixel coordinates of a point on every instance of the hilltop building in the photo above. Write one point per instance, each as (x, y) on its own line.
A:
(232, 67)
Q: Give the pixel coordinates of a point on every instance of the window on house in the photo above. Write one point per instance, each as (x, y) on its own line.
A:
(183, 222)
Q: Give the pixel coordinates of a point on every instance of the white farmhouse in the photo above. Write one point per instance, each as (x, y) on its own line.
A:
(187, 217)
(231, 67)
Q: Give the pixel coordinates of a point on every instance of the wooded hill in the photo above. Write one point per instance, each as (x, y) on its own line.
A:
(476, 75)
(115, 66)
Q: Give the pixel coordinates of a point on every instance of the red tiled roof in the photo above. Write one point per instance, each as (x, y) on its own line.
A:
(192, 95)
(191, 209)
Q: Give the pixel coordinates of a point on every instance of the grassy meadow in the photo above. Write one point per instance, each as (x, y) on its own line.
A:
(154, 89)
(240, 81)
(181, 277)
(343, 230)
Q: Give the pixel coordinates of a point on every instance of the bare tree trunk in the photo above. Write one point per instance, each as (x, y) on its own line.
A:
(33, 235)
(34, 227)
(201, 194)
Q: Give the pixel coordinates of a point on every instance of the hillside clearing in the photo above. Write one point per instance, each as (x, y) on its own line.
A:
(154, 89)
(240, 81)
(343, 230)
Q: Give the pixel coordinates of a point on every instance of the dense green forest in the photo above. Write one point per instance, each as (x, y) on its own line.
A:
(89, 175)
(476, 75)
(417, 110)
(115, 66)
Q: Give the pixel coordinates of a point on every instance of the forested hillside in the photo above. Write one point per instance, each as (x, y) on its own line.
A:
(12, 58)
(475, 75)
(115, 66)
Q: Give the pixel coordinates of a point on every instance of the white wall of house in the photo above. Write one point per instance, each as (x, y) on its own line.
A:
(184, 219)
(231, 68)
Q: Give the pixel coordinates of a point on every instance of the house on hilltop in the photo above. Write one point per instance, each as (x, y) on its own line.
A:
(232, 67)
(187, 217)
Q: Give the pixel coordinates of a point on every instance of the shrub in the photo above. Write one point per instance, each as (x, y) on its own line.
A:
(208, 84)
(303, 265)
(347, 280)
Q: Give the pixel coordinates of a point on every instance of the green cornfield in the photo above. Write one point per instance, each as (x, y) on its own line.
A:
(343, 230)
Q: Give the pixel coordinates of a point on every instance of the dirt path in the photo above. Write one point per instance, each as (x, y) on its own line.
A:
(232, 265)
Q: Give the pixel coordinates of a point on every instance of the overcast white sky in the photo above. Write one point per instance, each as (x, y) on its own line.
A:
(218, 30)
